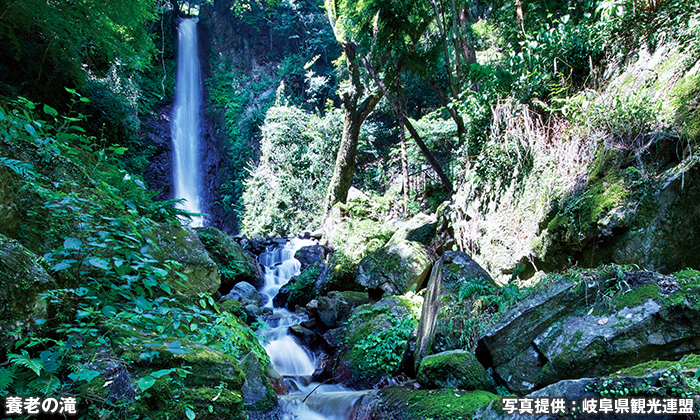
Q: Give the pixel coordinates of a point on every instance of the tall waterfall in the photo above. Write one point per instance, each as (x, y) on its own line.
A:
(185, 124)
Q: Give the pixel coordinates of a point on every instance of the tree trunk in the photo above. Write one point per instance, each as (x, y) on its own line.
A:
(355, 115)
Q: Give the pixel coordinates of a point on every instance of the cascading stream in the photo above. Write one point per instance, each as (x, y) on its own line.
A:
(307, 400)
(185, 124)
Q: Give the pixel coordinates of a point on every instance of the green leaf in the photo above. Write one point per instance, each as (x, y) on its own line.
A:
(6, 378)
(51, 361)
(165, 287)
(146, 382)
(203, 303)
(160, 272)
(84, 375)
(50, 111)
(120, 150)
(109, 311)
(189, 413)
(99, 263)
(72, 243)
(84, 99)
(60, 266)
(161, 373)
(30, 129)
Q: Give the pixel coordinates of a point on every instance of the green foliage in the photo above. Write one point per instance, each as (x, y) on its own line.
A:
(379, 350)
(303, 285)
(285, 192)
(92, 220)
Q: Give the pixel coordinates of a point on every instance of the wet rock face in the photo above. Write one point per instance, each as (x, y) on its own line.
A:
(563, 333)
(436, 331)
(403, 264)
(310, 255)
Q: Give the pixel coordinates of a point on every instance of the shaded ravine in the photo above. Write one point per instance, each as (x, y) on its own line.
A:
(307, 400)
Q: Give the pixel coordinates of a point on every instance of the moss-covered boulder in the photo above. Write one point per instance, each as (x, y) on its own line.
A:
(9, 213)
(335, 308)
(22, 279)
(444, 314)
(396, 402)
(182, 244)
(564, 332)
(454, 369)
(375, 339)
(403, 264)
(235, 264)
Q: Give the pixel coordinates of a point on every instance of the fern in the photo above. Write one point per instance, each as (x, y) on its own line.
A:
(7, 377)
(23, 169)
(23, 360)
(474, 287)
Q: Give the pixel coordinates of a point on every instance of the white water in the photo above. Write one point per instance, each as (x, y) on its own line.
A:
(307, 400)
(185, 124)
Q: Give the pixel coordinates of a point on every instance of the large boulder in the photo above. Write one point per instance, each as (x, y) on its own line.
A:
(375, 339)
(454, 369)
(182, 244)
(245, 293)
(335, 308)
(563, 332)
(9, 213)
(406, 403)
(662, 380)
(235, 263)
(311, 255)
(22, 280)
(402, 264)
(439, 329)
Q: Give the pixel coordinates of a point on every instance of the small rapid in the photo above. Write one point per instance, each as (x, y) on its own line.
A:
(306, 400)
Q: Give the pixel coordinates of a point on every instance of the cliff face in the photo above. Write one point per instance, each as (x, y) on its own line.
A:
(578, 192)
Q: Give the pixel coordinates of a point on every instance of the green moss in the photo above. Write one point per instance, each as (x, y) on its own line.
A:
(689, 361)
(442, 404)
(637, 296)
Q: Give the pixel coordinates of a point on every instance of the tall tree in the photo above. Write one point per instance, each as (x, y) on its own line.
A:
(358, 106)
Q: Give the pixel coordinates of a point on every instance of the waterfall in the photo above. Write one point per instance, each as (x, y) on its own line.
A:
(307, 400)
(185, 124)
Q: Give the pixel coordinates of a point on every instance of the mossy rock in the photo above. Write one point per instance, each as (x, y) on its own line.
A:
(399, 267)
(22, 279)
(335, 308)
(235, 263)
(454, 369)
(375, 339)
(444, 314)
(182, 244)
(9, 213)
(396, 402)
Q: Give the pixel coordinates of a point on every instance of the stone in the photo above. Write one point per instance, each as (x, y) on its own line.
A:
(402, 264)
(560, 336)
(374, 333)
(306, 336)
(22, 280)
(437, 331)
(10, 217)
(335, 308)
(182, 244)
(245, 293)
(257, 392)
(235, 263)
(310, 255)
(454, 369)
